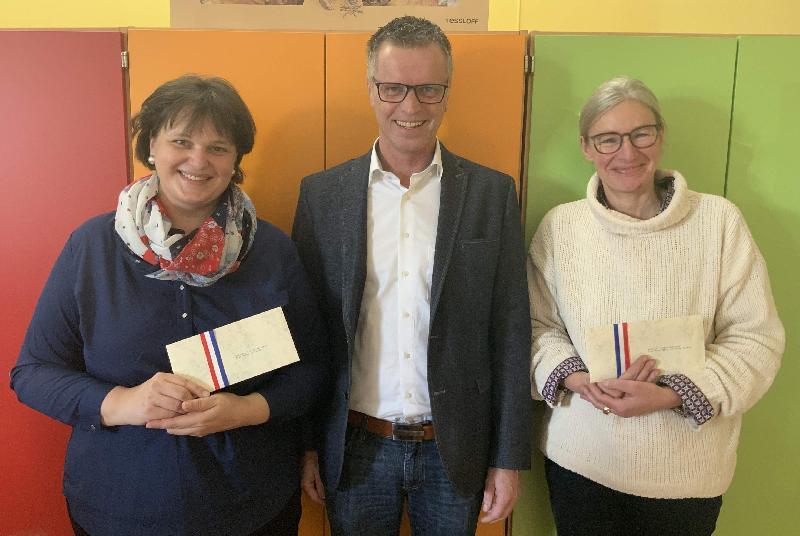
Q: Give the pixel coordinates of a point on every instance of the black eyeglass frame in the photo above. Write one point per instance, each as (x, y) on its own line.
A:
(409, 88)
(623, 136)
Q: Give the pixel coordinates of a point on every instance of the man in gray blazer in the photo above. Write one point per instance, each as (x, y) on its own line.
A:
(417, 258)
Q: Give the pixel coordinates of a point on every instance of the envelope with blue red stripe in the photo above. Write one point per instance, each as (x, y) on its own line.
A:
(235, 352)
(677, 344)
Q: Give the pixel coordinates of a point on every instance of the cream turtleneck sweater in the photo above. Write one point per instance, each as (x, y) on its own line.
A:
(591, 266)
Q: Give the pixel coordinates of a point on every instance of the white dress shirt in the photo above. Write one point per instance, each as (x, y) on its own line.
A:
(390, 361)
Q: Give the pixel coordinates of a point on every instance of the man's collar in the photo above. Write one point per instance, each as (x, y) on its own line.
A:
(435, 168)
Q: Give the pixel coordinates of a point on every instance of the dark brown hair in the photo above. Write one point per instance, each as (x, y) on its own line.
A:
(196, 100)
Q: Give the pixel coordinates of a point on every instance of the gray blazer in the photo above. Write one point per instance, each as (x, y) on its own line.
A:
(480, 333)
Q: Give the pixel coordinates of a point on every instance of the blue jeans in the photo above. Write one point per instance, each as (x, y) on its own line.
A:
(379, 474)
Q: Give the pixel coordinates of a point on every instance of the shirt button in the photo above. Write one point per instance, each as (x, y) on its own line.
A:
(405, 273)
(182, 287)
(93, 428)
(406, 235)
(407, 355)
(406, 314)
(184, 315)
(408, 395)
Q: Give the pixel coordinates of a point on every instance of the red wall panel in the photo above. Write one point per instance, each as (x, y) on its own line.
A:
(63, 159)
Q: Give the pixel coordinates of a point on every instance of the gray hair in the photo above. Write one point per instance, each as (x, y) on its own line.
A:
(408, 32)
(613, 92)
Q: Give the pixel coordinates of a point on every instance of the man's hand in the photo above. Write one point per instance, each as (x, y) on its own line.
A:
(310, 480)
(500, 494)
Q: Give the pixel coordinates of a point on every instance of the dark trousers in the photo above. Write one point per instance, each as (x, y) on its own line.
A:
(285, 523)
(584, 507)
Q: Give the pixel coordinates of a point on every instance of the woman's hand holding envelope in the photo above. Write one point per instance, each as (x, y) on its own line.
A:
(638, 398)
(159, 397)
(633, 393)
(215, 413)
(578, 382)
(641, 371)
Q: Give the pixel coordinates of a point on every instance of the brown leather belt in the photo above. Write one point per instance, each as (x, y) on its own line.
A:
(399, 431)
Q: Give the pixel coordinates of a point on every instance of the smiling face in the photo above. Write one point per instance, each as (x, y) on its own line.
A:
(408, 129)
(628, 172)
(194, 169)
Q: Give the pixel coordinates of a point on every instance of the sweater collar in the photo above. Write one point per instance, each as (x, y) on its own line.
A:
(619, 223)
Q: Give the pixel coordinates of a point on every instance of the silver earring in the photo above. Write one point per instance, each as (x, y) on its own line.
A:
(151, 160)
(233, 172)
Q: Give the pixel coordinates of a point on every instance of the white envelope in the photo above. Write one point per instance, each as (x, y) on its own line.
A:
(236, 351)
(677, 344)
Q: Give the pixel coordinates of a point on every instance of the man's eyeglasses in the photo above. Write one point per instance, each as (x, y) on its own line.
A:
(610, 142)
(426, 93)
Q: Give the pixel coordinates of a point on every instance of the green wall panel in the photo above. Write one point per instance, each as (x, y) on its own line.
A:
(763, 182)
(692, 77)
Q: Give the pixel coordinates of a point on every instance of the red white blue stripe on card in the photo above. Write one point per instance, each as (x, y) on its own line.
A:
(621, 348)
(214, 359)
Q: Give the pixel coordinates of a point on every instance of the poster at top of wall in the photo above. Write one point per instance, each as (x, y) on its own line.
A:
(352, 15)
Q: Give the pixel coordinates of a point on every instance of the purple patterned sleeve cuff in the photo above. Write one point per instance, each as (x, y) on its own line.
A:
(695, 403)
(552, 387)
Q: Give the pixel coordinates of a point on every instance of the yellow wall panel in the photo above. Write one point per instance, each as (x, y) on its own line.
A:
(83, 13)
(504, 15)
(280, 76)
(636, 16)
(662, 16)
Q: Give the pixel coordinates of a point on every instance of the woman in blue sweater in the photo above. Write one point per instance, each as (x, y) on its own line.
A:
(152, 452)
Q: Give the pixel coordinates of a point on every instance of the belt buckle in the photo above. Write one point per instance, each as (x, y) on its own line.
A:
(407, 432)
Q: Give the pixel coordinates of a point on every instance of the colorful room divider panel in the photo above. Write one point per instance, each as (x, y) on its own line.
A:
(483, 122)
(692, 77)
(63, 148)
(762, 181)
(280, 77)
(485, 108)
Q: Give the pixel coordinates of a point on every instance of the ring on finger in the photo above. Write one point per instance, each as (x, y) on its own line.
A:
(606, 410)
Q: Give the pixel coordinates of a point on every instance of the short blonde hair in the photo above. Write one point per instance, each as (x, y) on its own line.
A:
(613, 92)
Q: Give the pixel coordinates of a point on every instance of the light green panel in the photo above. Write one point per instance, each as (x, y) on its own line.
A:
(763, 181)
(692, 77)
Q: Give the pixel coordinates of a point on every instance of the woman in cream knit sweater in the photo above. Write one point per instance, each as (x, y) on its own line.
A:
(646, 453)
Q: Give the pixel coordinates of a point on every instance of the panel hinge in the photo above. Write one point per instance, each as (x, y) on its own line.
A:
(124, 57)
(528, 64)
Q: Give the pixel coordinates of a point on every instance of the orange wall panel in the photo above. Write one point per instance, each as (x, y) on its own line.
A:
(485, 110)
(484, 119)
(280, 77)
(313, 521)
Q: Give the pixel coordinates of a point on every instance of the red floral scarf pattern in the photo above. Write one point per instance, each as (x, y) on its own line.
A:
(199, 258)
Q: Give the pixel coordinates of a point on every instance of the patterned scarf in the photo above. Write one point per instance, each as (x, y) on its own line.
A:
(199, 258)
